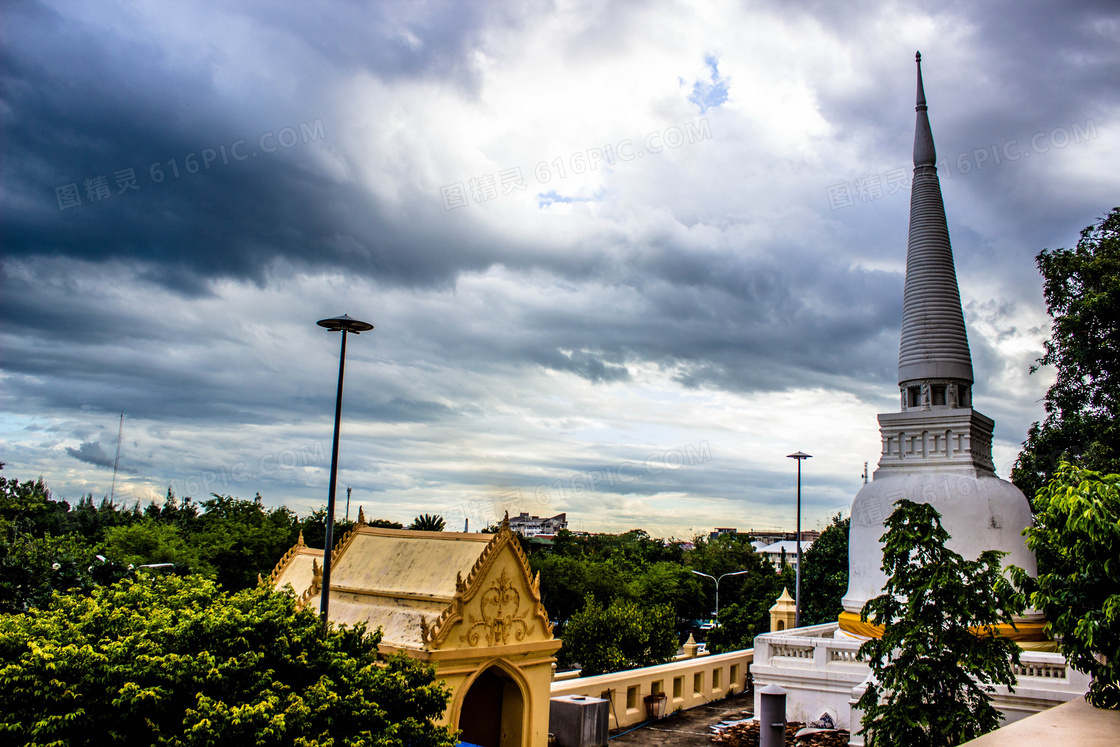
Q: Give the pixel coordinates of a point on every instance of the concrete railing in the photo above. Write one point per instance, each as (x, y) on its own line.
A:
(821, 673)
(810, 647)
(686, 683)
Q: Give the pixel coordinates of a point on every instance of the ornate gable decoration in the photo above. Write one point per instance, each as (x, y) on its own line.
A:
(499, 603)
(285, 560)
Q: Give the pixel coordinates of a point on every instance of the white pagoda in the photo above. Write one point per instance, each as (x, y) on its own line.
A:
(937, 450)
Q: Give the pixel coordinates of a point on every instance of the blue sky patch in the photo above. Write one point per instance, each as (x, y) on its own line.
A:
(710, 95)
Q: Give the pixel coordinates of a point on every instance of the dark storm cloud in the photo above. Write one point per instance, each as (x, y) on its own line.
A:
(90, 105)
(92, 453)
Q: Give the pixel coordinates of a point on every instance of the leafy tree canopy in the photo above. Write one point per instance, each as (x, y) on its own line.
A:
(1082, 425)
(1077, 532)
(748, 612)
(824, 574)
(166, 660)
(624, 635)
(940, 652)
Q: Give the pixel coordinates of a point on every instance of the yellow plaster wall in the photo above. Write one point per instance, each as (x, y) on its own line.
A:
(498, 620)
(529, 666)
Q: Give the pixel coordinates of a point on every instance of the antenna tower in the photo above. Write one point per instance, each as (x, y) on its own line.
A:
(117, 459)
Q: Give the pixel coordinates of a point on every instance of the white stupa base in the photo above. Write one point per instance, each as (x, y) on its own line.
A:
(820, 671)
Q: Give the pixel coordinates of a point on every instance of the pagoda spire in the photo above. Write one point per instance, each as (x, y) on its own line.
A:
(934, 363)
(924, 152)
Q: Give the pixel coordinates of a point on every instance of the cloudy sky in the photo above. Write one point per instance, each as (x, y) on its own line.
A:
(622, 258)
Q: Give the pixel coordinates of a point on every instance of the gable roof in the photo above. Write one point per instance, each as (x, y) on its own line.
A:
(418, 586)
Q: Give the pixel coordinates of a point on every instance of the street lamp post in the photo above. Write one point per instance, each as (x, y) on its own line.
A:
(343, 324)
(717, 580)
(800, 457)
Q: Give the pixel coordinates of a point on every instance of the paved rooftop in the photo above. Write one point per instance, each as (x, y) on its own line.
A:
(686, 728)
(1073, 723)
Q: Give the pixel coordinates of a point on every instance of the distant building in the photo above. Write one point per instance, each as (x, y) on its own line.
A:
(534, 526)
(770, 536)
(774, 552)
(720, 531)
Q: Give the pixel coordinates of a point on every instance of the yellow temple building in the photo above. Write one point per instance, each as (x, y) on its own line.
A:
(466, 603)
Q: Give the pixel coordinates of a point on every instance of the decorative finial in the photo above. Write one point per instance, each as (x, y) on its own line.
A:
(316, 571)
(921, 98)
(924, 152)
(300, 542)
(361, 517)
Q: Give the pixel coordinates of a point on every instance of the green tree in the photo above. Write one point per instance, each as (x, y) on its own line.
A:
(428, 523)
(933, 669)
(1077, 533)
(241, 538)
(314, 528)
(232, 540)
(671, 584)
(747, 613)
(1082, 425)
(564, 584)
(28, 507)
(624, 635)
(824, 574)
(175, 660)
(150, 541)
(33, 568)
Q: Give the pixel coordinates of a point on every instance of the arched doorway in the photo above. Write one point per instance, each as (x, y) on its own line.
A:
(493, 711)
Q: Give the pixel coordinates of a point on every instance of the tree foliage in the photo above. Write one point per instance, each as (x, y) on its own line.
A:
(166, 660)
(1082, 425)
(621, 636)
(748, 614)
(46, 545)
(634, 567)
(933, 669)
(824, 574)
(1077, 533)
(428, 523)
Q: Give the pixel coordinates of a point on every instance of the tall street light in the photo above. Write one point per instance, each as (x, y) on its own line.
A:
(343, 324)
(717, 580)
(800, 457)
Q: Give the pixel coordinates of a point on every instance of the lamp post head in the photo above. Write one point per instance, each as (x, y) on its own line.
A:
(345, 323)
(798, 456)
